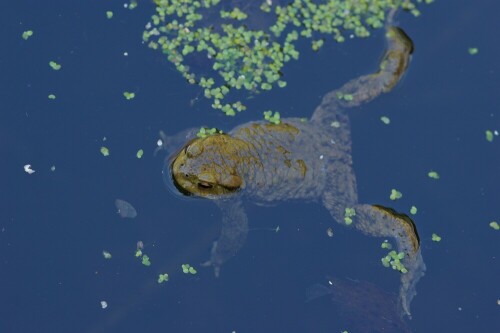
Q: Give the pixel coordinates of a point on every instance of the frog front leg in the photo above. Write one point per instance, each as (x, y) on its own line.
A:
(233, 233)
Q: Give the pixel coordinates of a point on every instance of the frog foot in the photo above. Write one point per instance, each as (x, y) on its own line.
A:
(213, 261)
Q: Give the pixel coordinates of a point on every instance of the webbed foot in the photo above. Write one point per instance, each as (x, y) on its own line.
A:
(214, 260)
(380, 221)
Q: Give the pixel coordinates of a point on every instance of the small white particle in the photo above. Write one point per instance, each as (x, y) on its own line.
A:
(159, 143)
(28, 169)
(495, 132)
(459, 308)
(321, 157)
(125, 5)
(53, 168)
(125, 54)
(332, 142)
(104, 304)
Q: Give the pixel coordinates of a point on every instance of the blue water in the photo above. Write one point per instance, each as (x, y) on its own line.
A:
(54, 225)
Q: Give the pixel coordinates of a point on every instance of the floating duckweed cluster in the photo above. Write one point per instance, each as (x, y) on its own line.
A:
(162, 278)
(433, 175)
(54, 65)
(27, 34)
(204, 132)
(129, 95)
(393, 259)
(395, 194)
(436, 237)
(348, 215)
(252, 58)
(272, 118)
(188, 269)
(386, 245)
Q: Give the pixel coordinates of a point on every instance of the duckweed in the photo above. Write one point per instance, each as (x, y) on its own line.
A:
(54, 65)
(162, 278)
(244, 56)
(436, 238)
(386, 245)
(393, 259)
(348, 215)
(188, 269)
(104, 151)
(129, 95)
(395, 194)
(433, 175)
(145, 260)
(473, 50)
(204, 132)
(272, 118)
(489, 136)
(385, 120)
(27, 34)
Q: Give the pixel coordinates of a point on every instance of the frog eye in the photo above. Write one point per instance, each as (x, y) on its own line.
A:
(205, 185)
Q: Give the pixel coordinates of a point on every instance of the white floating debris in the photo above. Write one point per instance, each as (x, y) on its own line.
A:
(321, 157)
(53, 168)
(125, 54)
(125, 209)
(28, 169)
(104, 304)
(159, 143)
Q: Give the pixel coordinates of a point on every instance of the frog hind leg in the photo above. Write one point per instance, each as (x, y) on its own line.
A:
(365, 88)
(233, 233)
(379, 221)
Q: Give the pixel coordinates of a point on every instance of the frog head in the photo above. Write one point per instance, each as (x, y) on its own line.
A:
(207, 167)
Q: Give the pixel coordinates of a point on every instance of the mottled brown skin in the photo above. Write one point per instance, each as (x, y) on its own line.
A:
(306, 160)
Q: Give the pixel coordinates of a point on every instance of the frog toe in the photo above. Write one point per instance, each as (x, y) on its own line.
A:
(214, 260)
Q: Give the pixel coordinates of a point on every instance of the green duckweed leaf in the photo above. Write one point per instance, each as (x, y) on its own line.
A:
(436, 238)
(54, 65)
(27, 34)
(395, 194)
(433, 175)
(104, 151)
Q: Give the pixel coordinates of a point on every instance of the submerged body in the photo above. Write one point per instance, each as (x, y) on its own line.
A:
(362, 306)
(306, 160)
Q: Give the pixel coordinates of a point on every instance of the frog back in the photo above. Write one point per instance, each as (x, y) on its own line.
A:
(294, 157)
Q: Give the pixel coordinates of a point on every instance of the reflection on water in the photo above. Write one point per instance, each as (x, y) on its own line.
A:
(364, 307)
